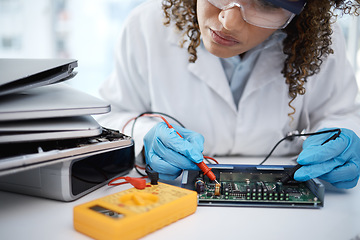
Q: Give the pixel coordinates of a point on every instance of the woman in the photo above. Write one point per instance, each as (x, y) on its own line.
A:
(240, 75)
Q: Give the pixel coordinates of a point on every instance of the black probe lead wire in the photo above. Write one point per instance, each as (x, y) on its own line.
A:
(150, 112)
(160, 113)
(138, 171)
(272, 150)
(338, 130)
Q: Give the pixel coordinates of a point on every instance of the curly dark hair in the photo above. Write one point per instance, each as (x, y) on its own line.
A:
(307, 44)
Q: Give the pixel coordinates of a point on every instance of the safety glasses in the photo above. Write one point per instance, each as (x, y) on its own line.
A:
(259, 13)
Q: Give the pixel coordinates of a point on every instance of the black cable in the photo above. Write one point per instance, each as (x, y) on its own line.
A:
(290, 175)
(150, 112)
(207, 160)
(138, 171)
(338, 130)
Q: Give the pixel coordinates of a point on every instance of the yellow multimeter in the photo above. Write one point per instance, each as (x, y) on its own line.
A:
(133, 213)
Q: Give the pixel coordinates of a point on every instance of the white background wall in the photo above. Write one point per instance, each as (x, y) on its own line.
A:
(87, 30)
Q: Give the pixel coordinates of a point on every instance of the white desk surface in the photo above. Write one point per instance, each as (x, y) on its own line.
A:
(26, 217)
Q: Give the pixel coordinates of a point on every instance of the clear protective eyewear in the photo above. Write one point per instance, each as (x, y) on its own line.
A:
(259, 13)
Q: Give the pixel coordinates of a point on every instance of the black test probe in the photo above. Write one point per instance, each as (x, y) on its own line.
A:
(291, 173)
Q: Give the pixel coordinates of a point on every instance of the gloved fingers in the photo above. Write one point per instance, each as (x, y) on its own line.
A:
(345, 173)
(172, 157)
(336, 161)
(164, 176)
(167, 170)
(317, 153)
(162, 167)
(170, 139)
(193, 137)
(347, 184)
(318, 139)
(315, 170)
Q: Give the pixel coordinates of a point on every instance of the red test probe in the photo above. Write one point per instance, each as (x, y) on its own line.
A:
(207, 171)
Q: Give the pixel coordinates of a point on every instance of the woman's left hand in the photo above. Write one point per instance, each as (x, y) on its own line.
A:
(337, 161)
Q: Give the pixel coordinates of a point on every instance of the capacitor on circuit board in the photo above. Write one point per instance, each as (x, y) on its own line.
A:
(217, 189)
(200, 186)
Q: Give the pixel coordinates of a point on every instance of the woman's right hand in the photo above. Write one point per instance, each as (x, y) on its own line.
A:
(168, 154)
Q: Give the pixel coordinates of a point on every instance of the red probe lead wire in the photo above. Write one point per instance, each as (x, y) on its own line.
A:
(207, 171)
(138, 183)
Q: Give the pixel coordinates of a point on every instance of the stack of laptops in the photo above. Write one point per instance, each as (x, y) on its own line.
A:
(44, 122)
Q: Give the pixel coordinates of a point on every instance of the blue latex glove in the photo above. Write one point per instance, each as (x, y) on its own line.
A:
(168, 154)
(337, 161)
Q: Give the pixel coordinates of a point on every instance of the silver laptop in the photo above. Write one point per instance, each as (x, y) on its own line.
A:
(21, 156)
(56, 100)
(22, 74)
(48, 129)
(65, 169)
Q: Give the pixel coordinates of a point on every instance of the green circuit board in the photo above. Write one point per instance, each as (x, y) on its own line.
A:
(251, 187)
(258, 191)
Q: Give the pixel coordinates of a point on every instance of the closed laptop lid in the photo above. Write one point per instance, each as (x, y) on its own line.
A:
(56, 100)
(49, 129)
(23, 156)
(21, 74)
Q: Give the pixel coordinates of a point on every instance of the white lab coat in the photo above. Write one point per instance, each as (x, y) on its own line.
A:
(152, 73)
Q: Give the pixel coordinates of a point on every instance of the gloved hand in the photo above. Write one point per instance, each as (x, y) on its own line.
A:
(337, 161)
(168, 154)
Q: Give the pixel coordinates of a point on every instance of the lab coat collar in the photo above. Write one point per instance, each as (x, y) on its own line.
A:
(208, 67)
(260, 78)
(174, 36)
(271, 57)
